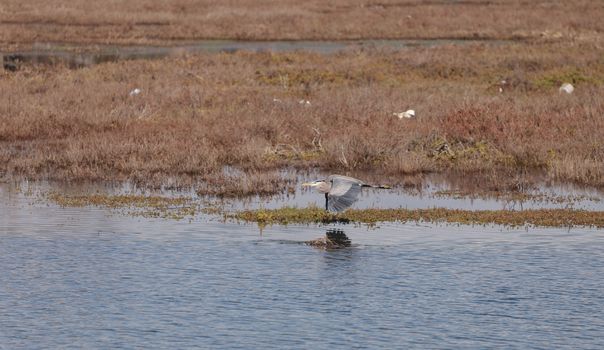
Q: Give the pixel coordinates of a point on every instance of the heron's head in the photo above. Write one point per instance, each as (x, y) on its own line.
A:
(313, 183)
(320, 185)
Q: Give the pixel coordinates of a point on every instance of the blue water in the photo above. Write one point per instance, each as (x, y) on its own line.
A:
(89, 278)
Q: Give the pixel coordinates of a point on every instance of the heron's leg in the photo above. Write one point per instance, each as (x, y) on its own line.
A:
(326, 199)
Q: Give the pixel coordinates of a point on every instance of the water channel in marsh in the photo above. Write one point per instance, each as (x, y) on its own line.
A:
(82, 55)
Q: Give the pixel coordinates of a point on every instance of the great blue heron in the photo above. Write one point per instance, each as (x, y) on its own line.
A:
(340, 191)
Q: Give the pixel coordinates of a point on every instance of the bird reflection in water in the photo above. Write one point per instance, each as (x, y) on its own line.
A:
(334, 239)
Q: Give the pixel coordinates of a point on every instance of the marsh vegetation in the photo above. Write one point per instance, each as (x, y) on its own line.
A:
(248, 123)
(24, 23)
(547, 218)
(228, 124)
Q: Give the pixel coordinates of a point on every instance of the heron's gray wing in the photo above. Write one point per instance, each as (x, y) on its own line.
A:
(343, 193)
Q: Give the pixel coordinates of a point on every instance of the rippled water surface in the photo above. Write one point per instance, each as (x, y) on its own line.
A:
(89, 278)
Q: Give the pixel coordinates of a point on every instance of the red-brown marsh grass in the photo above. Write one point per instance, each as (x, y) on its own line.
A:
(197, 115)
(26, 22)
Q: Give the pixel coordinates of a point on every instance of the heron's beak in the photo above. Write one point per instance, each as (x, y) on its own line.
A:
(308, 184)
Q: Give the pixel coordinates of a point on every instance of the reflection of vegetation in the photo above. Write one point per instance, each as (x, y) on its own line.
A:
(541, 217)
(334, 239)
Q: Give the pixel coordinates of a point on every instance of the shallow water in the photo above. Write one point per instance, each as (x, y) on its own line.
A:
(559, 196)
(430, 195)
(81, 56)
(373, 198)
(89, 278)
